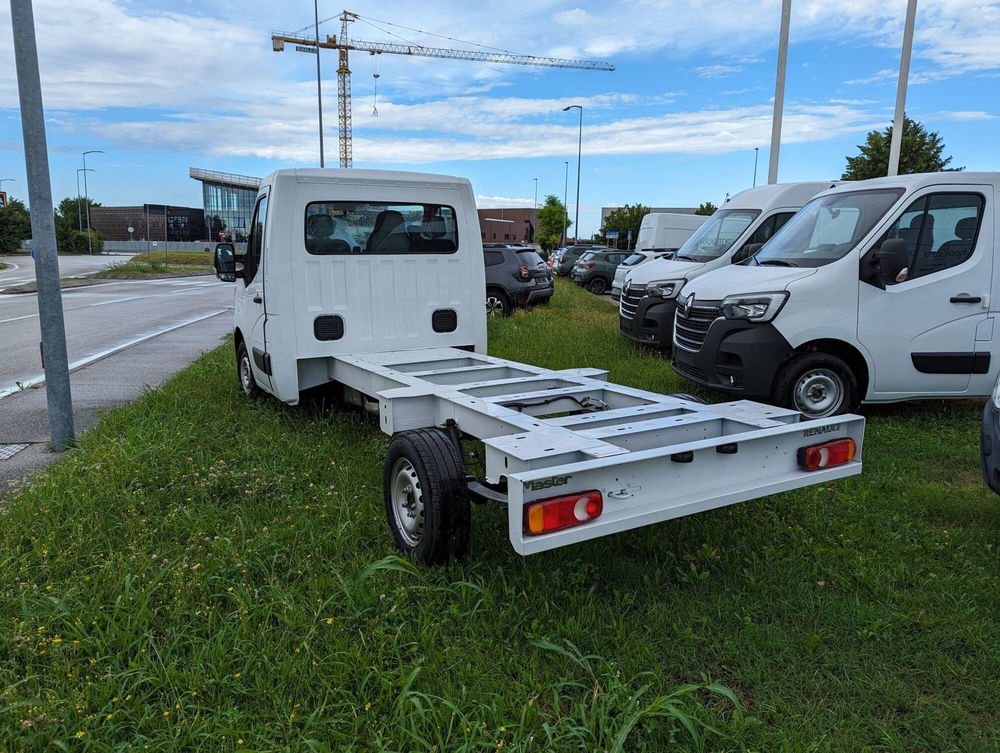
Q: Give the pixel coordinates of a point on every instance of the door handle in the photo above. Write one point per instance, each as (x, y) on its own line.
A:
(258, 299)
(966, 299)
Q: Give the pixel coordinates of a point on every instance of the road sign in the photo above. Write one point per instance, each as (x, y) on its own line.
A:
(611, 234)
(3, 199)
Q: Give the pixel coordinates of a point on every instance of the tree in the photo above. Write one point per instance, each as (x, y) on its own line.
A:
(706, 208)
(72, 211)
(920, 152)
(623, 219)
(551, 216)
(15, 226)
(69, 239)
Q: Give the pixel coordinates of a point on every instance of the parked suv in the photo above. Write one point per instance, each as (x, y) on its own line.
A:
(515, 276)
(571, 254)
(596, 270)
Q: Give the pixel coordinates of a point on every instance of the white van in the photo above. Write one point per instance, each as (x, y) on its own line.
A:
(660, 235)
(373, 282)
(879, 290)
(748, 219)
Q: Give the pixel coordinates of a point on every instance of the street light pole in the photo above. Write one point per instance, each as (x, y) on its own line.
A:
(536, 193)
(899, 122)
(90, 245)
(779, 91)
(565, 196)
(79, 210)
(756, 153)
(579, 154)
(55, 362)
(319, 85)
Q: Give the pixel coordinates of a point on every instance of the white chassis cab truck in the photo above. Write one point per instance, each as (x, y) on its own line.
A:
(733, 233)
(373, 281)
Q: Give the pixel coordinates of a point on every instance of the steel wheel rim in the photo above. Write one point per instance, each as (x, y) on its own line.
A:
(819, 393)
(245, 374)
(494, 306)
(407, 502)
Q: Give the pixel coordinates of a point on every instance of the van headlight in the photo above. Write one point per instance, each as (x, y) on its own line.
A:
(760, 307)
(996, 395)
(664, 288)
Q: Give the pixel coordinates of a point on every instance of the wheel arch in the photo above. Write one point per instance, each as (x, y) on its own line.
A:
(845, 351)
(237, 339)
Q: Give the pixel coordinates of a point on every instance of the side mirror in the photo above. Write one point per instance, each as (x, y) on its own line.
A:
(889, 260)
(225, 262)
(746, 252)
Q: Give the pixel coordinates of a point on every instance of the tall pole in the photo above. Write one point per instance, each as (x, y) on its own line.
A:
(756, 153)
(55, 362)
(898, 123)
(779, 90)
(565, 198)
(319, 85)
(579, 154)
(86, 196)
(536, 193)
(79, 210)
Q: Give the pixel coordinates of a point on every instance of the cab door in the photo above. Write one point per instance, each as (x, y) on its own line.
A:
(922, 329)
(251, 307)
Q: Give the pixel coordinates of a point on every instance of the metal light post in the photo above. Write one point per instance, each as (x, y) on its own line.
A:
(319, 85)
(55, 362)
(565, 193)
(896, 142)
(536, 193)
(756, 153)
(579, 153)
(90, 244)
(79, 209)
(779, 91)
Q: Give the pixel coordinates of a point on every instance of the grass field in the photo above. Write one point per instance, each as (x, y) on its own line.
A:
(174, 258)
(207, 574)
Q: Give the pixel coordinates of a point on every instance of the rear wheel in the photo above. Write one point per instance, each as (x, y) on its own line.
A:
(597, 286)
(497, 303)
(817, 385)
(244, 369)
(426, 500)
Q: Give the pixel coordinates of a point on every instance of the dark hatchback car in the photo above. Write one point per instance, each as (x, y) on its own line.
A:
(515, 276)
(596, 271)
(569, 257)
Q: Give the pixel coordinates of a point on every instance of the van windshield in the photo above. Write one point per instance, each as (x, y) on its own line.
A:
(717, 235)
(633, 259)
(827, 228)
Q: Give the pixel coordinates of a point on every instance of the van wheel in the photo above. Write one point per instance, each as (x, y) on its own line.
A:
(497, 303)
(426, 500)
(597, 286)
(245, 373)
(817, 385)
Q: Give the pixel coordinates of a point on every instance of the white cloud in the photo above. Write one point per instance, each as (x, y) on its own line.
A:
(968, 115)
(496, 202)
(717, 71)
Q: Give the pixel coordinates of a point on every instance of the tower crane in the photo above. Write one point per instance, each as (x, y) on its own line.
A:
(343, 45)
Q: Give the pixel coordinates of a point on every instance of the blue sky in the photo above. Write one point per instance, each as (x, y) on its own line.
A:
(166, 86)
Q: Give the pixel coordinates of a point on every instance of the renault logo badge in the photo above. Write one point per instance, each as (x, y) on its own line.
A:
(688, 303)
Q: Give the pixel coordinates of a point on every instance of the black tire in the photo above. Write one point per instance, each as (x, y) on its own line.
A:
(244, 373)
(424, 475)
(597, 285)
(498, 303)
(817, 385)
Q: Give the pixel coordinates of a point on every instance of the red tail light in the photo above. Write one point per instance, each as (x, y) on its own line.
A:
(522, 272)
(547, 515)
(827, 455)
(588, 264)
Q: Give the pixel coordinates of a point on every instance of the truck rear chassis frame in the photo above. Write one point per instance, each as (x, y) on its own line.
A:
(653, 457)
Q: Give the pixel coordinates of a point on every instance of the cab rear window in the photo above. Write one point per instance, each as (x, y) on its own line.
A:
(372, 227)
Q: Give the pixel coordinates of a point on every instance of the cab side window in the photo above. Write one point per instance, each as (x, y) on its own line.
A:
(940, 232)
(769, 227)
(255, 243)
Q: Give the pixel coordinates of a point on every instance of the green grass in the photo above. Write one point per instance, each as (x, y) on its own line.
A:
(3, 266)
(153, 268)
(174, 258)
(207, 574)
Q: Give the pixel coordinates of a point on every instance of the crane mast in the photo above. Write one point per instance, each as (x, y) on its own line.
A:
(344, 44)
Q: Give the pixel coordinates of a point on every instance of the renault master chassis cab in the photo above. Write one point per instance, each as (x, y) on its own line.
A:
(879, 290)
(731, 234)
(373, 282)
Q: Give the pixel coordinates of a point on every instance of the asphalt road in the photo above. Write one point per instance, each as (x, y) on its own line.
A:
(122, 336)
(22, 267)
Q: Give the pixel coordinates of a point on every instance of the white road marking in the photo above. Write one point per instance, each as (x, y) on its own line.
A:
(114, 300)
(86, 361)
(18, 318)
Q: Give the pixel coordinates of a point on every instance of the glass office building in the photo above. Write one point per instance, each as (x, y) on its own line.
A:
(228, 200)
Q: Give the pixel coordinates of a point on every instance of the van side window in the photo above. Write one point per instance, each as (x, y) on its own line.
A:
(255, 243)
(373, 227)
(940, 232)
(769, 227)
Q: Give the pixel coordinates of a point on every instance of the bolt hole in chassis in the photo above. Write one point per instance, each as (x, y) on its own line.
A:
(552, 433)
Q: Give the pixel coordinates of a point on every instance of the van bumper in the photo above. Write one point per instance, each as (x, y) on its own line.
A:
(653, 323)
(736, 357)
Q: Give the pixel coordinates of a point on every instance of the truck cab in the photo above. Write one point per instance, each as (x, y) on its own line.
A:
(353, 261)
(748, 219)
(877, 291)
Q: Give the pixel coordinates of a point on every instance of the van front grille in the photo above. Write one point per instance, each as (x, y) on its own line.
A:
(629, 303)
(690, 328)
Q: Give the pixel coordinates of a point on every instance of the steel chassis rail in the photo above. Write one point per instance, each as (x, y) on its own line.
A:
(653, 457)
